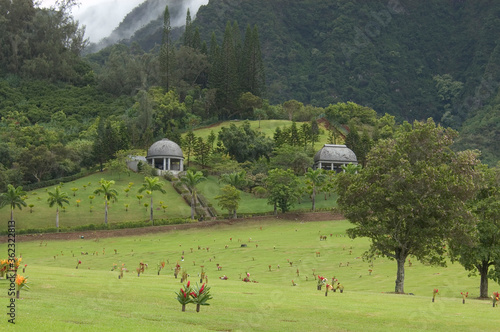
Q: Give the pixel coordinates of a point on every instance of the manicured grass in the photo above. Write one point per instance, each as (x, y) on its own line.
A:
(267, 127)
(42, 216)
(249, 204)
(93, 298)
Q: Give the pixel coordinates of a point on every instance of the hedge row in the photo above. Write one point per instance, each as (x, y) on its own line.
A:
(95, 227)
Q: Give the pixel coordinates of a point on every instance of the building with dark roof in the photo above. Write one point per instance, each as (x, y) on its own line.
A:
(331, 157)
(166, 156)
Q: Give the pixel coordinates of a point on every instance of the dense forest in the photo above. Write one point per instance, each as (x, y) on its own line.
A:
(360, 65)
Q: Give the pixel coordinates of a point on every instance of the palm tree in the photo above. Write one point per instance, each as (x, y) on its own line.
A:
(351, 168)
(151, 184)
(109, 193)
(14, 197)
(316, 178)
(235, 179)
(59, 198)
(191, 179)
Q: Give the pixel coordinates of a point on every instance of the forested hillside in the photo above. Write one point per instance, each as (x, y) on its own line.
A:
(349, 62)
(411, 59)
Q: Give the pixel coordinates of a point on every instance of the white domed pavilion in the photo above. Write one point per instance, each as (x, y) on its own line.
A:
(166, 156)
(331, 157)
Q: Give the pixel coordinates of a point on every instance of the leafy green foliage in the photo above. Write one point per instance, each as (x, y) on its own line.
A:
(411, 196)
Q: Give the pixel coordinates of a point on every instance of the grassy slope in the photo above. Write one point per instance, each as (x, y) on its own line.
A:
(92, 297)
(43, 216)
(267, 127)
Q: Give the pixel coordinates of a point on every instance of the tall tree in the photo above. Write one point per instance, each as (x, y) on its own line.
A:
(252, 68)
(166, 51)
(191, 180)
(151, 185)
(108, 192)
(14, 197)
(483, 256)
(411, 196)
(188, 31)
(57, 198)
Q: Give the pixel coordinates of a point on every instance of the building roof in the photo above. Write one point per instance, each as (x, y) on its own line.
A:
(335, 153)
(165, 148)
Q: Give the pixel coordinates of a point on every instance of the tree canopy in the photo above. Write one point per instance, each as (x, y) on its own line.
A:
(411, 197)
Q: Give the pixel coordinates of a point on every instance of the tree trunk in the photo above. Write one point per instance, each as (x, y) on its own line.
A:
(234, 214)
(483, 272)
(192, 206)
(57, 218)
(106, 212)
(197, 307)
(314, 199)
(400, 276)
(183, 307)
(151, 216)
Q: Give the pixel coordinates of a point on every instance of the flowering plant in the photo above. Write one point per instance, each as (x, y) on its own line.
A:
(200, 296)
(78, 263)
(434, 293)
(183, 296)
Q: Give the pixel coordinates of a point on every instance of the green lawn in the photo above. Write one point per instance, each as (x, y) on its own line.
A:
(249, 204)
(42, 216)
(267, 127)
(93, 298)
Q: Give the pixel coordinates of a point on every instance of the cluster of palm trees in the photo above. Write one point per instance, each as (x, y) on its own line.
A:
(14, 197)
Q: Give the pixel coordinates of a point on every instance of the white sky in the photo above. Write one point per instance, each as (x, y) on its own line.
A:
(99, 16)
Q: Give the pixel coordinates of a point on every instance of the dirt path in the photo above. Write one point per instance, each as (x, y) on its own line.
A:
(292, 216)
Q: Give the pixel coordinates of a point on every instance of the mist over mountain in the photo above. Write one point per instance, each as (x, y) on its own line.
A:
(147, 16)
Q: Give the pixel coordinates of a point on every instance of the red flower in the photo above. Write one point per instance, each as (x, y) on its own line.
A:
(193, 294)
(202, 288)
(79, 262)
(189, 283)
(183, 292)
(25, 265)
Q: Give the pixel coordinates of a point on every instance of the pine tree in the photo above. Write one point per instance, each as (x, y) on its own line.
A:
(188, 32)
(166, 52)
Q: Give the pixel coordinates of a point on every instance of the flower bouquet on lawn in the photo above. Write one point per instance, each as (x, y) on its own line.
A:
(434, 293)
(321, 282)
(4, 265)
(184, 296)
(200, 296)
(496, 298)
(21, 282)
(464, 296)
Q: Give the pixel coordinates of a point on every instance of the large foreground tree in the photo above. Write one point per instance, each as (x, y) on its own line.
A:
(411, 197)
(483, 256)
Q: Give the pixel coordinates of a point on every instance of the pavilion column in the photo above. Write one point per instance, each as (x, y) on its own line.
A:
(181, 165)
(164, 164)
(169, 164)
(153, 162)
(320, 165)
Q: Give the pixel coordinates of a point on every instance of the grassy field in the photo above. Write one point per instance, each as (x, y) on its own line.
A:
(41, 216)
(249, 204)
(90, 298)
(267, 127)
